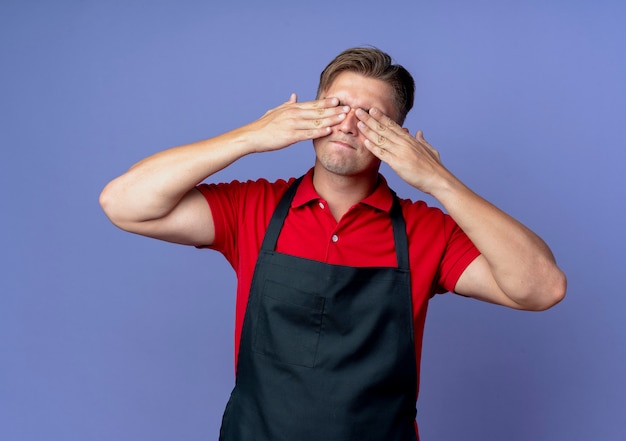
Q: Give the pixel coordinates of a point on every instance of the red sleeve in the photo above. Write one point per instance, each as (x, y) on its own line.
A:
(222, 201)
(241, 212)
(459, 252)
(439, 249)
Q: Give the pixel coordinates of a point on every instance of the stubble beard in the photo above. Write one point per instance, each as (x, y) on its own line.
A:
(342, 163)
(337, 165)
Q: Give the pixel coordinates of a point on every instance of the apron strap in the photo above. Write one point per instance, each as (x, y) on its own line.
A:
(280, 213)
(399, 233)
(278, 218)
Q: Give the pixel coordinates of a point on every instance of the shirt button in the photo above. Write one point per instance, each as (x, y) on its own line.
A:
(321, 204)
(335, 238)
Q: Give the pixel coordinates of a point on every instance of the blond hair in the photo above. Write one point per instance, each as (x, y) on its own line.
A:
(373, 63)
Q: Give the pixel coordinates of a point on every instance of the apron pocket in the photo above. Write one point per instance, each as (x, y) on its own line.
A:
(289, 323)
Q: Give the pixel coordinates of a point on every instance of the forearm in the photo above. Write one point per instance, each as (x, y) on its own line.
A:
(521, 263)
(151, 188)
(517, 268)
(146, 198)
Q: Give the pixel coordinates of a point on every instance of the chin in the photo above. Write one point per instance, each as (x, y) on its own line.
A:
(346, 168)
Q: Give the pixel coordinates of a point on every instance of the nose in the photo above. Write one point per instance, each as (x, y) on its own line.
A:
(349, 124)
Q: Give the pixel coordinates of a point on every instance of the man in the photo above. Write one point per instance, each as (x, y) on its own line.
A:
(335, 271)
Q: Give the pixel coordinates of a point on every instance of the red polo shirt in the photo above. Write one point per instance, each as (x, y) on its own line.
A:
(439, 251)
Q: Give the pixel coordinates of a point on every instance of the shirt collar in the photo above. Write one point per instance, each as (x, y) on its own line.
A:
(380, 199)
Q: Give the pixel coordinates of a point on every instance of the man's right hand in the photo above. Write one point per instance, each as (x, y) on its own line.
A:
(157, 196)
(292, 122)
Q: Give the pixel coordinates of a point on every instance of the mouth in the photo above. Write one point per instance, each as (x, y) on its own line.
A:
(344, 144)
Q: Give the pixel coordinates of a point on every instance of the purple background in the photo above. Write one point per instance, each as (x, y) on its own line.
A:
(109, 336)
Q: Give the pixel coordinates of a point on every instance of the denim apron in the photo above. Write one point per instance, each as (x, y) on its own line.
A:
(326, 351)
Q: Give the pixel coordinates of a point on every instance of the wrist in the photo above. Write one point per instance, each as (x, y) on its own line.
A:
(447, 189)
(242, 141)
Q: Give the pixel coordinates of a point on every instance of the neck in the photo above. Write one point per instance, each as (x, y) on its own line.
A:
(342, 192)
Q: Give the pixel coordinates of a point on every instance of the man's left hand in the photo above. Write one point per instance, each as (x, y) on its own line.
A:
(411, 157)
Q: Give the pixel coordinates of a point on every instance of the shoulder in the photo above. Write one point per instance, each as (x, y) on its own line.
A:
(419, 214)
(437, 243)
(430, 227)
(236, 190)
(241, 211)
(260, 184)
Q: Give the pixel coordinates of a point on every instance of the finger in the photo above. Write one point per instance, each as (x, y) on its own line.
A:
(324, 103)
(319, 112)
(420, 137)
(374, 131)
(293, 98)
(321, 122)
(378, 150)
(314, 114)
(312, 119)
(376, 143)
(316, 133)
(378, 121)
